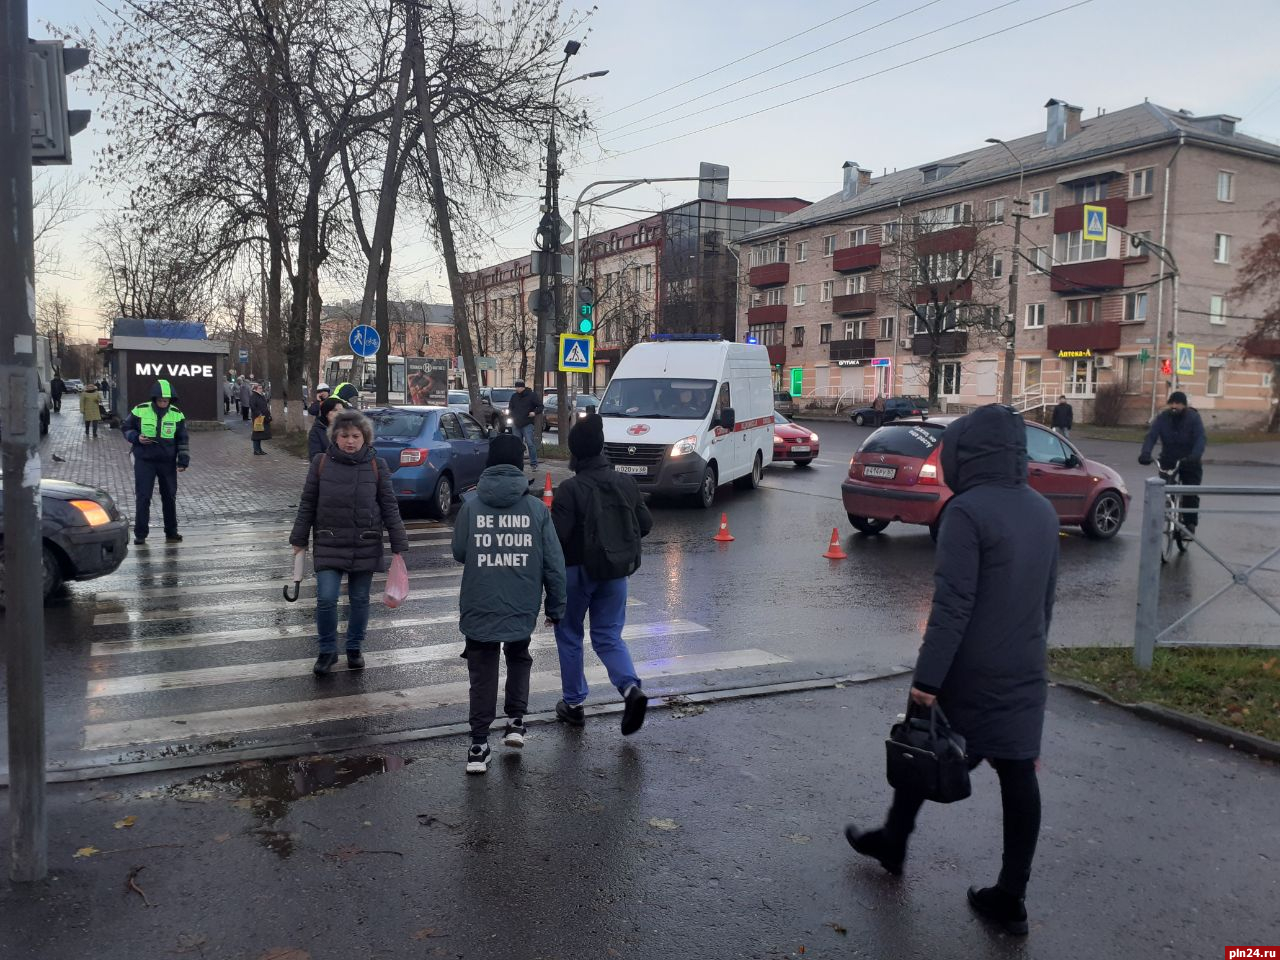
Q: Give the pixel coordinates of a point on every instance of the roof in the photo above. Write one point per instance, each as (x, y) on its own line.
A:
(1111, 133)
(164, 329)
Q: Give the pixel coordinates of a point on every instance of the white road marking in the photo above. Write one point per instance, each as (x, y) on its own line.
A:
(169, 554)
(278, 605)
(383, 703)
(264, 586)
(259, 533)
(283, 669)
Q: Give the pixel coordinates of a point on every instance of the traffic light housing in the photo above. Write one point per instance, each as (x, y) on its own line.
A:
(52, 124)
(586, 309)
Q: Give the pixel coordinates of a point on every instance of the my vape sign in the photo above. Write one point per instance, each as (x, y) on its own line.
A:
(193, 378)
(173, 370)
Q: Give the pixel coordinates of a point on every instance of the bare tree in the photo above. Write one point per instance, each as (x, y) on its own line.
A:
(148, 273)
(1258, 282)
(56, 201)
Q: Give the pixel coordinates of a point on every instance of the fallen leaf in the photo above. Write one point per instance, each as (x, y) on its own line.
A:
(222, 838)
(796, 837)
(86, 852)
(285, 953)
(126, 822)
(425, 933)
(837, 928)
(244, 803)
(662, 823)
(190, 942)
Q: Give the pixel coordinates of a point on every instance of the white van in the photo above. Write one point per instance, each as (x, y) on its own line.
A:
(686, 413)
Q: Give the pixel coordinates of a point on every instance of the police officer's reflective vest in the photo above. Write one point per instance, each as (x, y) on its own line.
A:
(153, 426)
(337, 392)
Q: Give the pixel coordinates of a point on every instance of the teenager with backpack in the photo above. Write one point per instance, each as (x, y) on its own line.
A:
(600, 517)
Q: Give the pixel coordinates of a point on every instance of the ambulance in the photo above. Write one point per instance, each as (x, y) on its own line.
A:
(686, 413)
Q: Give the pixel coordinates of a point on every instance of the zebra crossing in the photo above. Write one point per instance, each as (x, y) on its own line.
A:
(194, 646)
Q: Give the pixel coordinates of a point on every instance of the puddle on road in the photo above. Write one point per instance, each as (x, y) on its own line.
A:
(269, 788)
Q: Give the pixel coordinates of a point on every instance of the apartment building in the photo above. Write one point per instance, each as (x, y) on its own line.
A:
(825, 284)
(415, 329)
(671, 272)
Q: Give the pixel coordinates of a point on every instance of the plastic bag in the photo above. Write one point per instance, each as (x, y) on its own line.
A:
(397, 590)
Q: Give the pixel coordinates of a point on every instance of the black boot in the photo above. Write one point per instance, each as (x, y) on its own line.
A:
(996, 905)
(355, 660)
(877, 845)
(324, 663)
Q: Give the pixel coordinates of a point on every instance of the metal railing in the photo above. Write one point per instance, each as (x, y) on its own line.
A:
(1159, 507)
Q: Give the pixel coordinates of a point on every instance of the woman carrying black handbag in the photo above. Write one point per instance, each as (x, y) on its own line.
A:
(983, 656)
(260, 410)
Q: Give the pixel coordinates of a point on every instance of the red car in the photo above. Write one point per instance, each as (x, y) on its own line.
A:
(897, 475)
(791, 442)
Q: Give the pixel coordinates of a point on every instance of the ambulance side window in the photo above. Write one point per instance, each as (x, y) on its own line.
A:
(724, 400)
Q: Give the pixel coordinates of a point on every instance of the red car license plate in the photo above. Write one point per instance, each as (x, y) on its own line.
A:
(885, 473)
(800, 448)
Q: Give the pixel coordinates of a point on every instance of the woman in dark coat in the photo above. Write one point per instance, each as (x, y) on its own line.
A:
(259, 407)
(347, 502)
(983, 656)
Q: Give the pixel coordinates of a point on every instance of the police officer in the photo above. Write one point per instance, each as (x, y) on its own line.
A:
(349, 394)
(158, 432)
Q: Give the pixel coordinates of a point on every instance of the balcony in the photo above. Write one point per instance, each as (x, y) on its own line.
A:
(951, 292)
(1267, 349)
(950, 343)
(1081, 337)
(846, 351)
(777, 354)
(1088, 276)
(851, 303)
(769, 275)
(767, 313)
(856, 258)
(947, 241)
(1070, 219)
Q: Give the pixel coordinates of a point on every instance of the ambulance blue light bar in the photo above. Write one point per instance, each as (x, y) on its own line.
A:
(668, 337)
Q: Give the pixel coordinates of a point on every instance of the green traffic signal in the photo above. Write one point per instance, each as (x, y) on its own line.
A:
(586, 323)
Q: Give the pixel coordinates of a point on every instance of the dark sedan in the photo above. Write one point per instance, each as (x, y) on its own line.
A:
(582, 403)
(895, 408)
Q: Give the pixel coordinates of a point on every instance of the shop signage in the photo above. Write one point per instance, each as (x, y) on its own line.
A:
(170, 370)
(1074, 354)
(427, 379)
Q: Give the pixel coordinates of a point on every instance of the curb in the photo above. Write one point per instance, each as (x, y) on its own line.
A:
(1250, 743)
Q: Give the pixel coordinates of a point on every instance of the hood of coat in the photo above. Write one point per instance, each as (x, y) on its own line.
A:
(501, 486)
(363, 455)
(986, 447)
(90, 388)
(598, 462)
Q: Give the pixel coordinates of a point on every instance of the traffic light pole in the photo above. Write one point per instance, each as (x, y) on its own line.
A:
(23, 569)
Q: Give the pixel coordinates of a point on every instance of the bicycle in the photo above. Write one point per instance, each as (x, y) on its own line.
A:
(1176, 536)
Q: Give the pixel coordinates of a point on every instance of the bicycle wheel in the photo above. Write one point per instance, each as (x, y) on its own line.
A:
(1172, 539)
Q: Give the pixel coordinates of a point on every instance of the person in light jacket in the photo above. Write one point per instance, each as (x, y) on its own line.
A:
(983, 659)
(90, 410)
(246, 391)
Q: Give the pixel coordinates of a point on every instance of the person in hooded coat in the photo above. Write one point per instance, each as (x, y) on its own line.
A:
(246, 391)
(984, 652)
(259, 408)
(318, 436)
(1180, 432)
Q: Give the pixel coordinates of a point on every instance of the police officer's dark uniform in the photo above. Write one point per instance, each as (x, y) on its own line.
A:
(159, 460)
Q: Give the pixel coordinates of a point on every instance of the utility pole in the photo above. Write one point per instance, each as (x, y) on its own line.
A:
(1006, 388)
(23, 578)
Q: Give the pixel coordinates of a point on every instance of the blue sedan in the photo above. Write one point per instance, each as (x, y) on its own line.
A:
(434, 453)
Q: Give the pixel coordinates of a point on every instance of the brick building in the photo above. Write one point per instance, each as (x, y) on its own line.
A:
(821, 282)
(416, 329)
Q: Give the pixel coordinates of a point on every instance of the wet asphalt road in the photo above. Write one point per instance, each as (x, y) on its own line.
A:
(192, 650)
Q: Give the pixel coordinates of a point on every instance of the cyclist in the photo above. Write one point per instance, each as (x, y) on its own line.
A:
(1180, 432)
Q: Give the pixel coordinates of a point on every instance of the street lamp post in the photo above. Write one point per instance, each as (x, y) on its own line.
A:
(1006, 387)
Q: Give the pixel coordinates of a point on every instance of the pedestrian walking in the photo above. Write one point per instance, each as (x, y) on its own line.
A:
(90, 409)
(505, 537)
(347, 502)
(228, 388)
(246, 391)
(983, 658)
(322, 394)
(158, 432)
(56, 389)
(600, 517)
(1180, 432)
(260, 411)
(523, 409)
(1064, 417)
(318, 437)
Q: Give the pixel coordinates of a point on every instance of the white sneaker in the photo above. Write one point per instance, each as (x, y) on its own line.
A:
(514, 734)
(478, 758)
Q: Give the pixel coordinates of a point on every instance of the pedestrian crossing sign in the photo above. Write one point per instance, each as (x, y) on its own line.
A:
(1095, 223)
(576, 353)
(1186, 364)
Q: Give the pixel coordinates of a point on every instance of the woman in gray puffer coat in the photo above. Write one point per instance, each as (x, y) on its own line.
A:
(346, 503)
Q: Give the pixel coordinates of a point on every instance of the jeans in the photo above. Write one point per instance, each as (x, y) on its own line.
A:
(146, 475)
(1190, 473)
(91, 424)
(328, 585)
(526, 434)
(1020, 799)
(482, 669)
(257, 447)
(1063, 431)
(606, 602)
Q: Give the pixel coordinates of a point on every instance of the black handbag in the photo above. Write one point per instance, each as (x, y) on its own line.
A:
(924, 756)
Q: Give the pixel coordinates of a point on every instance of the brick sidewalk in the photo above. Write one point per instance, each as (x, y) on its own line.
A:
(224, 483)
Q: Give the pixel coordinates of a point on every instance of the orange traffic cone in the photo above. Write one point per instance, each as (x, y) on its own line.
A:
(834, 551)
(724, 536)
(546, 492)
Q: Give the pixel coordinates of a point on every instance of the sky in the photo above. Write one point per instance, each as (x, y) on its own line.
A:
(785, 93)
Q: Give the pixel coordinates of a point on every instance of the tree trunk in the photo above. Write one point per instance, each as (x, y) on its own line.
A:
(315, 331)
(296, 344)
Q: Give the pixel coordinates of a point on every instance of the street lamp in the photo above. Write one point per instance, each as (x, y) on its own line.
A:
(1006, 388)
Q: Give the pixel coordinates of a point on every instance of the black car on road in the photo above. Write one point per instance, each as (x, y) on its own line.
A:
(895, 408)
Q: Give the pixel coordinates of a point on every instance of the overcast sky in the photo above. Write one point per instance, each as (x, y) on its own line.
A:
(807, 86)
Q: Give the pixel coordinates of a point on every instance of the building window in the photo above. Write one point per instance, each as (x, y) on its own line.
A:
(950, 379)
(773, 297)
(1081, 378)
(1039, 259)
(943, 218)
(856, 283)
(1226, 186)
(889, 232)
(768, 334)
(1073, 248)
(1039, 203)
(1135, 307)
(1218, 310)
(765, 253)
(797, 336)
(1132, 376)
(1142, 183)
(997, 266)
(824, 291)
(802, 251)
(1138, 243)
(1221, 248)
(858, 237)
(853, 329)
(648, 276)
(1217, 378)
(1031, 374)
(1088, 310)
(1090, 191)
(800, 294)
(824, 333)
(1035, 316)
(995, 210)
(939, 317)
(829, 245)
(886, 328)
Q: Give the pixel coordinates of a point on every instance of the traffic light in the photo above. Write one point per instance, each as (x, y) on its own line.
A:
(586, 309)
(52, 124)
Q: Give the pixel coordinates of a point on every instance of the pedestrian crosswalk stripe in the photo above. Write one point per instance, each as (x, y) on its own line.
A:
(257, 533)
(383, 703)
(160, 552)
(283, 669)
(266, 585)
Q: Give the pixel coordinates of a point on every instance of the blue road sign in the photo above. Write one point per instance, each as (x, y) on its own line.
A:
(244, 355)
(1095, 223)
(576, 353)
(1186, 365)
(364, 340)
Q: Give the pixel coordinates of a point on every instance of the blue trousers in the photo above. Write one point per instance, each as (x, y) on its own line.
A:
(146, 473)
(606, 603)
(328, 585)
(526, 434)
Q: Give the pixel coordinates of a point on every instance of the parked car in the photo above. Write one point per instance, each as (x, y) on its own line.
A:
(73, 384)
(434, 452)
(83, 534)
(792, 442)
(895, 408)
(495, 401)
(551, 408)
(459, 400)
(897, 475)
(784, 404)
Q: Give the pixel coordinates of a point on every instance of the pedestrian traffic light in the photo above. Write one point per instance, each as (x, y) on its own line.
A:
(586, 318)
(52, 124)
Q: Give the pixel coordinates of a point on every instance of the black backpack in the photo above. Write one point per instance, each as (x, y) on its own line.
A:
(611, 533)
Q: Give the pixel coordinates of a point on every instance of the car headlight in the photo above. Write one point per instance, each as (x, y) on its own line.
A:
(510, 422)
(93, 512)
(686, 446)
(778, 438)
(813, 438)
